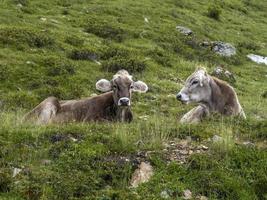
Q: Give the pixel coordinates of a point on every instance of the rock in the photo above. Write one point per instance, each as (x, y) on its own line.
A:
(164, 194)
(97, 62)
(43, 19)
(187, 194)
(223, 74)
(16, 171)
(217, 138)
(30, 63)
(258, 59)
(204, 147)
(223, 49)
(184, 30)
(249, 144)
(73, 139)
(19, 5)
(93, 95)
(142, 174)
(146, 20)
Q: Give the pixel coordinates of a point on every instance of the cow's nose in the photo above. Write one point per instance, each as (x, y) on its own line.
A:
(179, 96)
(124, 101)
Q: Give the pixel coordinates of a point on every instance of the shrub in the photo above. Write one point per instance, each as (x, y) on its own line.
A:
(22, 36)
(214, 12)
(264, 94)
(74, 41)
(83, 54)
(57, 67)
(22, 2)
(160, 56)
(104, 29)
(134, 64)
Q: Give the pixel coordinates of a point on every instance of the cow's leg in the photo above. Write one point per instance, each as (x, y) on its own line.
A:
(45, 111)
(195, 115)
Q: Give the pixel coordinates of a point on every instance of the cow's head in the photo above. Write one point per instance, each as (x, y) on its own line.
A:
(197, 88)
(122, 86)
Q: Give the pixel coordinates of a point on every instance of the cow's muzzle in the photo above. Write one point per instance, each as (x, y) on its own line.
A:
(124, 101)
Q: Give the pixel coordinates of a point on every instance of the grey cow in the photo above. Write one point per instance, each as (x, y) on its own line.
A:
(212, 95)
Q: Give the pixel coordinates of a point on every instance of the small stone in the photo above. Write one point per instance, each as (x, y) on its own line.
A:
(97, 62)
(223, 74)
(217, 138)
(203, 198)
(93, 95)
(164, 194)
(184, 30)
(73, 139)
(146, 20)
(190, 152)
(43, 19)
(29, 62)
(204, 147)
(19, 5)
(187, 194)
(142, 174)
(249, 144)
(183, 152)
(16, 171)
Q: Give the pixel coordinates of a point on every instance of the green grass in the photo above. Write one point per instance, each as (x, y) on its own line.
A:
(51, 48)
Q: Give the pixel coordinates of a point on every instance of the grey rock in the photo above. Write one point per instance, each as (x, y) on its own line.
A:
(184, 30)
(249, 144)
(217, 138)
(258, 59)
(164, 194)
(187, 194)
(223, 49)
(16, 171)
(223, 74)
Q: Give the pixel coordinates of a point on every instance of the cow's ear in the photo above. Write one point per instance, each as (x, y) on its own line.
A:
(140, 86)
(103, 85)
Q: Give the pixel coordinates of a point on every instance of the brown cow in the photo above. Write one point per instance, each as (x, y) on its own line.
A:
(113, 105)
(212, 95)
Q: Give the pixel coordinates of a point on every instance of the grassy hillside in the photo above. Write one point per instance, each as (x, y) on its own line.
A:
(62, 47)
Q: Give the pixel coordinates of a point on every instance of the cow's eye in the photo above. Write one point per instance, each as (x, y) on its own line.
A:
(195, 82)
(131, 87)
(114, 87)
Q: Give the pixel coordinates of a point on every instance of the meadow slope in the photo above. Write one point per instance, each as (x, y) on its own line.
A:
(62, 47)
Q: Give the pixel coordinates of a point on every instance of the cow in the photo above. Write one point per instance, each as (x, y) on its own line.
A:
(211, 94)
(113, 105)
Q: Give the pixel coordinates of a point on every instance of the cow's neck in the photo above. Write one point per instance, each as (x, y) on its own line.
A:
(216, 100)
(123, 114)
(112, 111)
